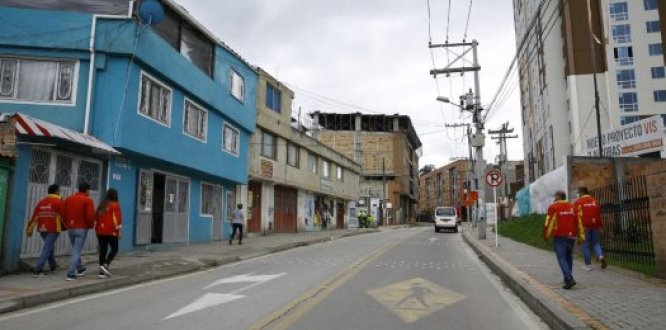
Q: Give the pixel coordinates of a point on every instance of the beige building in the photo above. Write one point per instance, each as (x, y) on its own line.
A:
(388, 150)
(295, 181)
(445, 186)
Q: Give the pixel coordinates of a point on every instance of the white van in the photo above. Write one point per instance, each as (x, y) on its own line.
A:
(446, 217)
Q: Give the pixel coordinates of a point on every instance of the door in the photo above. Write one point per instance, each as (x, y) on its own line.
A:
(144, 213)
(176, 210)
(254, 207)
(285, 209)
(211, 201)
(340, 216)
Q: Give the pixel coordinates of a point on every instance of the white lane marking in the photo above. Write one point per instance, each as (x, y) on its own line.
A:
(433, 240)
(205, 301)
(245, 278)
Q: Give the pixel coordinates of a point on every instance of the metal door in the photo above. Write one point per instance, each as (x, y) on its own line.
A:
(176, 210)
(215, 209)
(144, 212)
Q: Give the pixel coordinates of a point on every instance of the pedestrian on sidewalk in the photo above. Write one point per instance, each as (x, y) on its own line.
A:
(79, 218)
(47, 217)
(564, 226)
(589, 212)
(237, 222)
(108, 226)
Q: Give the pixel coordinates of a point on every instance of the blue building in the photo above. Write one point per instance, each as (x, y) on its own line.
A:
(154, 106)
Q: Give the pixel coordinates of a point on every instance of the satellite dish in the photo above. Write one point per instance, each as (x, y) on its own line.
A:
(150, 12)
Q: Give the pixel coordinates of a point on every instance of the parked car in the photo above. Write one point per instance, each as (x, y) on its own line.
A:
(446, 217)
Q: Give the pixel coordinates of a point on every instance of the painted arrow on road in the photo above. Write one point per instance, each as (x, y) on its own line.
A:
(213, 299)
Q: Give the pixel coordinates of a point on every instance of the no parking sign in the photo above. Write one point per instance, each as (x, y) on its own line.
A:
(494, 178)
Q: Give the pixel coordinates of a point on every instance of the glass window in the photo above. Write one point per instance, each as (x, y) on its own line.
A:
(237, 86)
(658, 72)
(37, 80)
(619, 11)
(624, 120)
(660, 95)
(653, 26)
(268, 145)
(312, 163)
(621, 33)
(197, 49)
(650, 4)
(155, 100)
(629, 102)
(292, 154)
(339, 173)
(325, 169)
(273, 97)
(655, 49)
(231, 139)
(626, 78)
(624, 55)
(211, 200)
(195, 121)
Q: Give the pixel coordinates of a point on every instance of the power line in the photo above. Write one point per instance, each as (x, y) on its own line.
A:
(469, 13)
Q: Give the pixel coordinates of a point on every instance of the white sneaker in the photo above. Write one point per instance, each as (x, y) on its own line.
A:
(587, 267)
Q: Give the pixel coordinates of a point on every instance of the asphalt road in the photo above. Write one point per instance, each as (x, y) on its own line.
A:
(401, 279)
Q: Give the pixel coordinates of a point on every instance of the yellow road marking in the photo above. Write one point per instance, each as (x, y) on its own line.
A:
(297, 308)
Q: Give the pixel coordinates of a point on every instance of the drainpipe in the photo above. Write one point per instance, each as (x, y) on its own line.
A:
(91, 71)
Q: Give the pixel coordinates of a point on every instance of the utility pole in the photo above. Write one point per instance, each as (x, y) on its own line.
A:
(473, 104)
(593, 56)
(502, 132)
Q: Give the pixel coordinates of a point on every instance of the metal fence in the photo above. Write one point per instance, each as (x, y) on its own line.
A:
(625, 215)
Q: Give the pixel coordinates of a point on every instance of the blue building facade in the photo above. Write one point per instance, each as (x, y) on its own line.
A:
(171, 110)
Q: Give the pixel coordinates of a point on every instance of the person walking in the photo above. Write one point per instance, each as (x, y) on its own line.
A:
(47, 218)
(108, 226)
(79, 218)
(237, 222)
(589, 212)
(564, 226)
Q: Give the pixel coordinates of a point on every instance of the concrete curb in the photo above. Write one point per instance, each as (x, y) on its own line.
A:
(551, 313)
(121, 281)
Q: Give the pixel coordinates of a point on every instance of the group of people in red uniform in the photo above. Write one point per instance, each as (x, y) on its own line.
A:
(569, 222)
(77, 215)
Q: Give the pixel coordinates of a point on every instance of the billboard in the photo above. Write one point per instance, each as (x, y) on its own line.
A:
(638, 138)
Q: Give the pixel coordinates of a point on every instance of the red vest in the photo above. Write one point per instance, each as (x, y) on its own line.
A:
(589, 211)
(79, 211)
(562, 221)
(109, 221)
(47, 215)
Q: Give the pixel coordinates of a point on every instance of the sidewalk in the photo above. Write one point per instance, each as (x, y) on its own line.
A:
(19, 291)
(603, 299)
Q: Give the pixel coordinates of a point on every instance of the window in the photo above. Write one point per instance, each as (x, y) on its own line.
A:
(325, 169)
(155, 100)
(626, 78)
(650, 4)
(624, 55)
(237, 86)
(268, 145)
(273, 97)
(658, 72)
(655, 49)
(37, 80)
(312, 163)
(660, 95)
(619, 11)
(624, 120)
(621, 33)
(211, 200)
(653, 26)
(292, 154)
(339, 173)
(231, 139)
(195, 122)
(629, 102)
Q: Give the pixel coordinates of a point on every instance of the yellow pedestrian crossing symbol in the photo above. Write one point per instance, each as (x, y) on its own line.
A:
(415, 298)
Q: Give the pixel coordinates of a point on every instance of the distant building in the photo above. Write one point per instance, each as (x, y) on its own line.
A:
(444, 186)
(294, 179)
(556, 74)
(388, 149)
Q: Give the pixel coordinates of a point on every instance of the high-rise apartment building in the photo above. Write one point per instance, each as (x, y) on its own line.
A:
(556, 73)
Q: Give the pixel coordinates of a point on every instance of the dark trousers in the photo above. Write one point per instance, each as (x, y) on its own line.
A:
(239, 227)
(105, 242)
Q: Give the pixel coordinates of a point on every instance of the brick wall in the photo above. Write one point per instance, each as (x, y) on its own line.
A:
(656, 178)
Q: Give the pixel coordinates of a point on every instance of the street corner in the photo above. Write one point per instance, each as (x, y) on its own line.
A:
(415, 298)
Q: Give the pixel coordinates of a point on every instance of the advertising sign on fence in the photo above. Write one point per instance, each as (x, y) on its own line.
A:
(640, 137)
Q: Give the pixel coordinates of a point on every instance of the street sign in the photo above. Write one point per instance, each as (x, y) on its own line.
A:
(494, 178)
(472, 197)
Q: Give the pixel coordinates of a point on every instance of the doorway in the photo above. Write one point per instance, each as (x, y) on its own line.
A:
(340, 216)
(158, 209)
(254, 207)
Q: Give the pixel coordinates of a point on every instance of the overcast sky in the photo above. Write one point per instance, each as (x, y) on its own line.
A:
(372, 56)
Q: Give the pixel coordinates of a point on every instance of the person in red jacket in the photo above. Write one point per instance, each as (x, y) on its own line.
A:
(108, 226)
(564, 226)
(589, 212)
(47, 217)
(79, 218)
